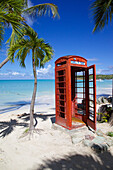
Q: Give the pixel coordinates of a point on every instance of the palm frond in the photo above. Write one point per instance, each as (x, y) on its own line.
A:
(18, 47)
(30, 32)
(13, 19)
(10, 14)
(36, 58)
(15, 37)
(102, 13)
(23, 55)
(42, 9)
(26, 3)
(42, 51)
(15, 6)
(1, 33)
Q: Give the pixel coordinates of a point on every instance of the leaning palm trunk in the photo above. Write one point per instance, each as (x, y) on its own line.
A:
(41, 53)
(4, 62)
(34, 94)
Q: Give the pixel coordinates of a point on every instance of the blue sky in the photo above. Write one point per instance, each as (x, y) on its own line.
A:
(71, 34)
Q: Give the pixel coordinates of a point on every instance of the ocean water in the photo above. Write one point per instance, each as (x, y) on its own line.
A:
(104, 87)
(19, 92)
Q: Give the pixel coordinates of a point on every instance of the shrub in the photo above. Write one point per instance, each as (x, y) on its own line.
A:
(110, 134)
(104, 117)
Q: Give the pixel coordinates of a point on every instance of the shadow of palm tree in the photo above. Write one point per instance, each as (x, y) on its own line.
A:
(17, 105)
(77, 162)
(13, 106)
(7, 127)
(44, 117)
(52, 108)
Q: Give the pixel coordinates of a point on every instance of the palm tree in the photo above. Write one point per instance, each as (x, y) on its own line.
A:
(19, 8)
(10, 13)
(41, 53)
(102, 11)
(9, 17)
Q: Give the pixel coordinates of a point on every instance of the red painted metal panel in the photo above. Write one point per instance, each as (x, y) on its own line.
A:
(68, 96)
(60, 94)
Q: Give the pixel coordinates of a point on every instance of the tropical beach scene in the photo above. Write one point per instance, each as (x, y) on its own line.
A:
(48, 49)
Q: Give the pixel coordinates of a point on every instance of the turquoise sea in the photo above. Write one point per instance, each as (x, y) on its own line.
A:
(20, 91)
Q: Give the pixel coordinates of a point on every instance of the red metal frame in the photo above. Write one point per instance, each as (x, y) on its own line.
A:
(67, 92)
(92, 121)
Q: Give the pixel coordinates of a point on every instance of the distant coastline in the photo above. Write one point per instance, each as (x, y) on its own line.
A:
(26, 79)
(102, 76)
(98, 77)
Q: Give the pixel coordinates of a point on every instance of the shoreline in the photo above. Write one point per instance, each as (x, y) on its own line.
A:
(49, 79)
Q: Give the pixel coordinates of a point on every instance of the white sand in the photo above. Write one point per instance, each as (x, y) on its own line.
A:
(51, 149)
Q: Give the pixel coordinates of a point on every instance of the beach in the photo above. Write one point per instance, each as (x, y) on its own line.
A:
(56, 85)
(48, 148)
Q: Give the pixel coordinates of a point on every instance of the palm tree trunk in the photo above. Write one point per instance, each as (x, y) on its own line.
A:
(4, 62)
(34, 94)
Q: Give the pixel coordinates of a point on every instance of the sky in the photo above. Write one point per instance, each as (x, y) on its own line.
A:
(71, 34)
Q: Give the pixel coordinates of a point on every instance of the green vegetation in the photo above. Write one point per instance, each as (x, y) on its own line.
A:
(26, 131)
(24, 39)
(41, 53)
(106, 115)
(98, 76)
(110, 134)
(101, 76)
(102, 11)
(12, 12)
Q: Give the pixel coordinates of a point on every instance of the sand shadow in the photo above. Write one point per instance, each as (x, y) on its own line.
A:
(53, 119)
(52, 108)
(14, 106)
(41, 115)
(17, 105)
(77, 162)
(6, 127)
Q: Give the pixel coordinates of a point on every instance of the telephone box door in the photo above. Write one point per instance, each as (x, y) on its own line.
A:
(91, 104)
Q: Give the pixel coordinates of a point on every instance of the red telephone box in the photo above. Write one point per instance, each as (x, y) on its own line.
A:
(75, 92)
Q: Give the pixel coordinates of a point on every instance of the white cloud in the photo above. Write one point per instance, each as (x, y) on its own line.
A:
(110, 67)
(108, 70)
(99, 71)
(12, 74)
(30, 4)
(28, 19)
(15, 73)
(44, 70)
(99, 64)
(4, 74)
(23, 74)
(92, 59)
